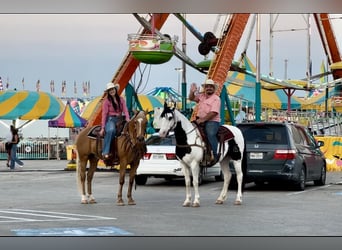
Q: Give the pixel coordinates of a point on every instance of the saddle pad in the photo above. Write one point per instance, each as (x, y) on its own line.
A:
(94, 131)
(224, 134)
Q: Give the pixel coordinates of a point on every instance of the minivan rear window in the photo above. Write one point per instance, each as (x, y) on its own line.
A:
(264, 134)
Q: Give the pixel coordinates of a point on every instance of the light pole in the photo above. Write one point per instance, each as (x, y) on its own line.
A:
(179, 70)
(285, 74)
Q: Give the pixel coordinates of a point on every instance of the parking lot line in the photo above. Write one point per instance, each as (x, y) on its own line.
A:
(308, 190)
(24, 215)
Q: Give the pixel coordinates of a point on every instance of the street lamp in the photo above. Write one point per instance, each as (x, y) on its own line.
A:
(180, 70)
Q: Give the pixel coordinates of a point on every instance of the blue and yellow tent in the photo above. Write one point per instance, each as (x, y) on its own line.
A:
(29, 105)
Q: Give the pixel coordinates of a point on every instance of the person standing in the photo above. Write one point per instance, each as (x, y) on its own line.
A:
(8, 146)
(15, 141)
(208, 113)
(112, 109)
(241, 116)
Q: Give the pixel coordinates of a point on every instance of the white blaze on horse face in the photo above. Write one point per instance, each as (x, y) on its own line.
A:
(166, 124)
(157, 118)
(139, 132)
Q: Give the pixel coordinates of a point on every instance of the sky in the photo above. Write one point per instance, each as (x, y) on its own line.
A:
(90, 47)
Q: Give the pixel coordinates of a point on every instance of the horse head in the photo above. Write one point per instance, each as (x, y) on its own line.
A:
(136, 127)
(167, 120)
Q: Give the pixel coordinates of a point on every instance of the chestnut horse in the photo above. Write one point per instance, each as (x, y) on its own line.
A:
(131, 148)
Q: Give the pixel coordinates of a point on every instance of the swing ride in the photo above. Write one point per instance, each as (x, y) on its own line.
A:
(150, 46)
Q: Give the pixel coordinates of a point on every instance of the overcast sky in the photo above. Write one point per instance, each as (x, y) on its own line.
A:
(79, 47)
(90, 47)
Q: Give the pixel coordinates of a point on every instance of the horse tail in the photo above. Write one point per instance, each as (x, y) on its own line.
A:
(244, 167)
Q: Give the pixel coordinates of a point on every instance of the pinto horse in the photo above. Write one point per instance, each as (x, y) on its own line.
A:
(131, 148)
(190, 149)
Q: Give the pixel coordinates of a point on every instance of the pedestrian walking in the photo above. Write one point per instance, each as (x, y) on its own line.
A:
(15, 141)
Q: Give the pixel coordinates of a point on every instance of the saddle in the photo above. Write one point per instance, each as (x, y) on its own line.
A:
(223, 135)
(94, 134)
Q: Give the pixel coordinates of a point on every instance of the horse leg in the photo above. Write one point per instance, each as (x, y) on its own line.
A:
(119, 200)
(195, 175)
(239, 177)
(81, 177)
(132, 172)
(226, 176)
(186, 172)
(92, 167)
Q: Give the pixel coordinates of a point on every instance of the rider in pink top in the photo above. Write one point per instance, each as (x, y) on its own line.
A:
(112, 108)
(209, 105)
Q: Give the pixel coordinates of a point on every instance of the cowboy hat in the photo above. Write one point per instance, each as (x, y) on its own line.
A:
(209, 82)
(111, 85)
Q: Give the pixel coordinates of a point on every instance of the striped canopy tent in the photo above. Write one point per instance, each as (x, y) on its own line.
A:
(276, 99)
(317, 102)
(29, 105)
(168, 94)
(147, 102)
(275, 93)
(68, 119)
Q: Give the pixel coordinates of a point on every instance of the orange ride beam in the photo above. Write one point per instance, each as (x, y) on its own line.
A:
(224, 55)
(330, 45)
(126, 69)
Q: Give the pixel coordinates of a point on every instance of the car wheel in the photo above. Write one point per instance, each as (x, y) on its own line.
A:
(321, 180)
(200, 179)
(259, 183)
(168, 178)
(219, 177)
(300, 184)
(140, 179)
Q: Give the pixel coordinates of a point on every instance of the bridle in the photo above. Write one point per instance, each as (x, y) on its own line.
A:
(133, 135)
(186, 133)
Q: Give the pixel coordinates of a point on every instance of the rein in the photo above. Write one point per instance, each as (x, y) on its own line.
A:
(186, 133)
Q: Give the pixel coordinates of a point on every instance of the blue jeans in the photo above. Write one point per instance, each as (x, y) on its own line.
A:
(211, 128)
(14, 158)
(110, 131)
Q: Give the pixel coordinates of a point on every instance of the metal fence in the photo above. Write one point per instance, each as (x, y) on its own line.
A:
(37, 150)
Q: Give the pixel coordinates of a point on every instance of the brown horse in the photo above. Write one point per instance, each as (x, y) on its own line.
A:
(131, 148)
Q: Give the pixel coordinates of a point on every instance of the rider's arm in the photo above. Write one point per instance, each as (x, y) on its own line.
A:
(192, 92)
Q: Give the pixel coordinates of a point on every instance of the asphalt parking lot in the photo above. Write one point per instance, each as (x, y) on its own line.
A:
(41, 199)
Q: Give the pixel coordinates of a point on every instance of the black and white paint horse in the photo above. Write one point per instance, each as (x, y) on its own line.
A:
(190, 148)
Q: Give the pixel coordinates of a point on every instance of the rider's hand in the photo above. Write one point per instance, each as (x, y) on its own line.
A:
(200, 120)
(193, 87)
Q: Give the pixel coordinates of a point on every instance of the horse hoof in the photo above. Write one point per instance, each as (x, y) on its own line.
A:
(84, 202)
(92, 202)
(186, 204)
(219, 202)
(196, 205)
(120, 203)
(237, 203)
(131, 203)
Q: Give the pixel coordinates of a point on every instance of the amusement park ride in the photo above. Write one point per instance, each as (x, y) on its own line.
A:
(152, 47)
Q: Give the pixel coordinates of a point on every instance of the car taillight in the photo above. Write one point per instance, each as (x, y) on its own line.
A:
(147, 156)
(284, 154)
(171, 156)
